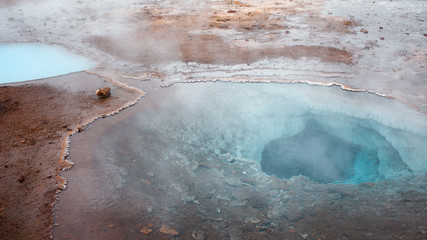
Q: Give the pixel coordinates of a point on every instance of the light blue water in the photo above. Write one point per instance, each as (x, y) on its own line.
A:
(323, 133)
(29, 61)
(194, 155)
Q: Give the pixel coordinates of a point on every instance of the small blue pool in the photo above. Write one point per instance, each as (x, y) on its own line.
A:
(29, 61)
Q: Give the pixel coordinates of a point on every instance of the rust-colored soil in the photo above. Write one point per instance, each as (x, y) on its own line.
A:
(35, 119)
(210, 49)
(162, 36)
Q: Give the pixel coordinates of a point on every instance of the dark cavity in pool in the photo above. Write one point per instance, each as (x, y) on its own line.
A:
(322, 156)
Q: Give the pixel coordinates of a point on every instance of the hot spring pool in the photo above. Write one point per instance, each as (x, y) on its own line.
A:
(29, 61)
(323, 133)
(234, 160)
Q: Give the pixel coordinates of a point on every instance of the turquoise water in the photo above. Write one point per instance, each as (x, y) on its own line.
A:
(194, 156)
(29, 61)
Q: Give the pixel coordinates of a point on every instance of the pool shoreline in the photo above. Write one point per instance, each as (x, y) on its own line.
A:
(45, 113)
(377, 47)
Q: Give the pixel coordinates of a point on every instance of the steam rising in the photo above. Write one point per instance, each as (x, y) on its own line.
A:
(242, 119)
(196, 151)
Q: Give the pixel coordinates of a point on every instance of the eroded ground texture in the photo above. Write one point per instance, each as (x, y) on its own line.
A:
(376, 46)
(36, 118)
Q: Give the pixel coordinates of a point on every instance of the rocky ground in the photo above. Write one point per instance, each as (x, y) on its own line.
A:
(376, 46)
(36, 119)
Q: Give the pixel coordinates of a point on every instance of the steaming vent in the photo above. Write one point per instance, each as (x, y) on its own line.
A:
(203, 152)
(322, 155)
(324, 133)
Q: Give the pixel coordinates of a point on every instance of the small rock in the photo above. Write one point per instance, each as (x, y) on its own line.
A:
(198, 234)
(364, 31)
(165, 229)
(273, 214)
(146, 230)
(103, 92)
(21, 179)
(425, 34)
(237, 203)
(210, 219)
(304, 235)
(223, 198)
(191, 199)
(249, 181)
(252, 220)
(347, 22)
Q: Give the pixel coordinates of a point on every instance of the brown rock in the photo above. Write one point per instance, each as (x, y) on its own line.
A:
(348, 23)
(165, 229)
(103, 92)
(146, 231)
(21, 179)
(81, 128)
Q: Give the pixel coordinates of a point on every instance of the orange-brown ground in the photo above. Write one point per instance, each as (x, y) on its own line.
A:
(35, 119)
